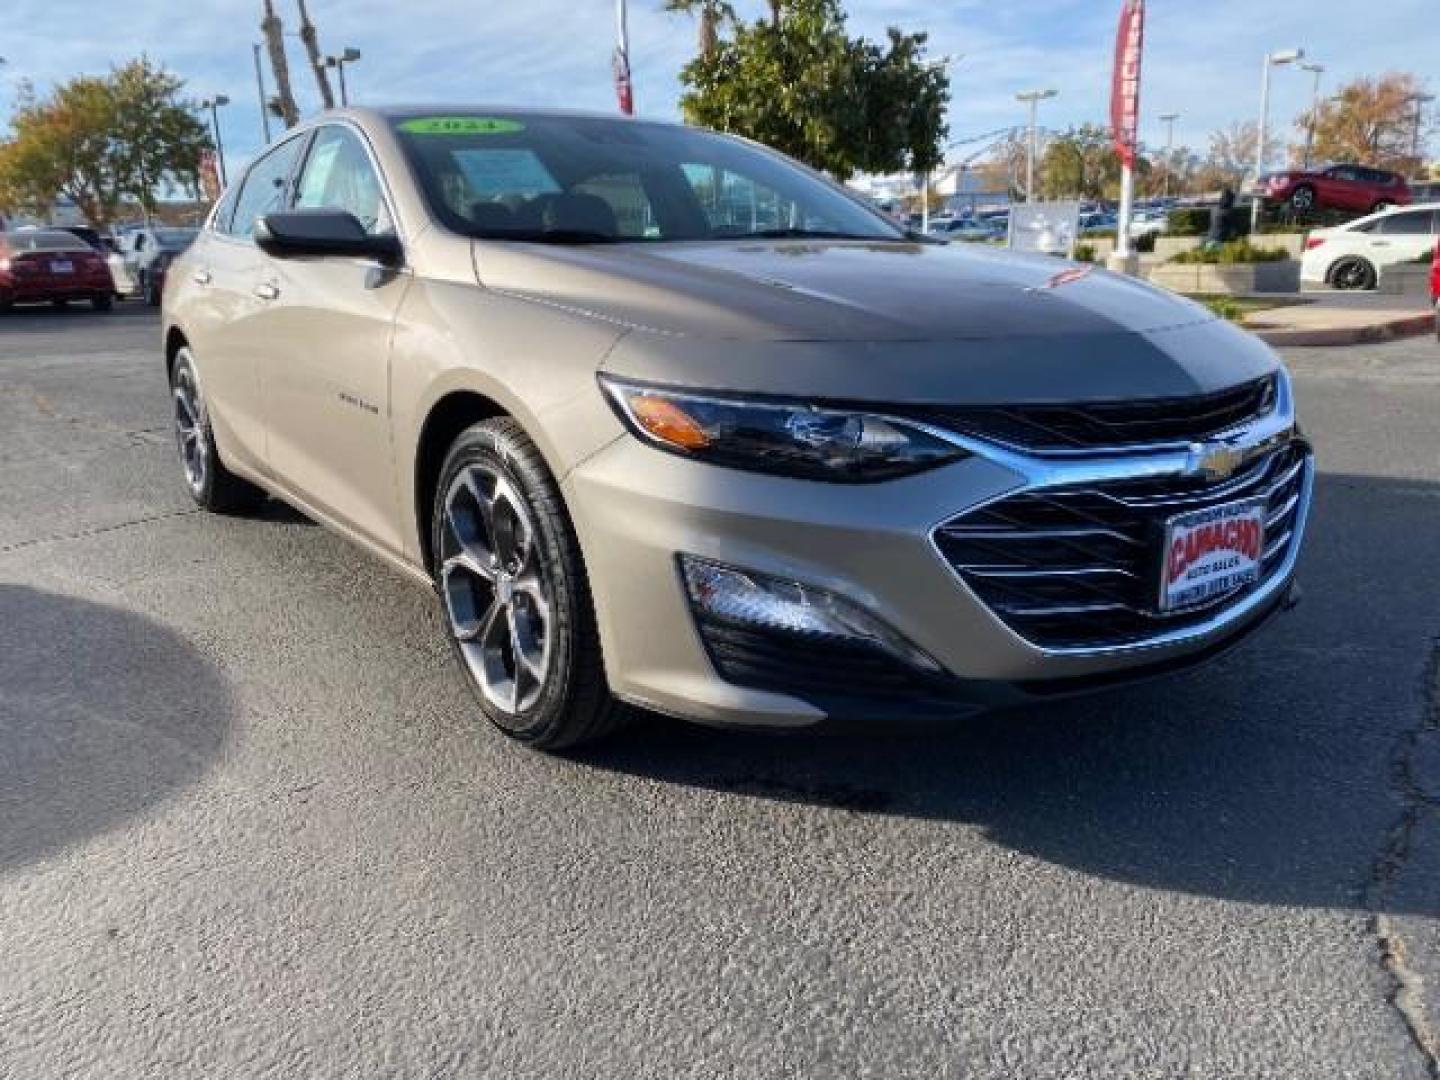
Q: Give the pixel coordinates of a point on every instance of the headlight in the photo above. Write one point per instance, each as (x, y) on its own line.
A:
(788, 439)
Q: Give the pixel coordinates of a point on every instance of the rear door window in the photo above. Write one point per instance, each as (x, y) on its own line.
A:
(265, 187)
(1411, 223)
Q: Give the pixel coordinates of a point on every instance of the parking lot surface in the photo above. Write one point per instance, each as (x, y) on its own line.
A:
(250, 825)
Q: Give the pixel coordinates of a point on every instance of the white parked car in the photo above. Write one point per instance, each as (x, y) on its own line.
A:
(1353, 256)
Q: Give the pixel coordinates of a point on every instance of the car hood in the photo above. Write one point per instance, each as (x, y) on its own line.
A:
(831, 291)
(891, 321)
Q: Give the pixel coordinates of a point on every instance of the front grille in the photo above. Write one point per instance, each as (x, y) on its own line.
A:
(1079, 566)
(1069, 427)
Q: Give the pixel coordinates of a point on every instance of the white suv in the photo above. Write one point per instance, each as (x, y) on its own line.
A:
(1353, 256)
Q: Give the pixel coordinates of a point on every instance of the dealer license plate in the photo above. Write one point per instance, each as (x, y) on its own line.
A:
(1211, 553)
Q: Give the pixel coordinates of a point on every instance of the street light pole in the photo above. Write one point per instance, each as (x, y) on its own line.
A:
(260, 89)
(349, 56)
(1275, 59)
(1033, 99)
(1421, 100)
(213, 104)
(1169, 121)
(1317, 70)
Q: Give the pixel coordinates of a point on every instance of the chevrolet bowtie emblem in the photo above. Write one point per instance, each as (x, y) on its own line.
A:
(1214, 461)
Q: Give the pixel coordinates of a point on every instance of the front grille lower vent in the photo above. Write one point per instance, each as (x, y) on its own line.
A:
(1078, 567)
(1108, 425)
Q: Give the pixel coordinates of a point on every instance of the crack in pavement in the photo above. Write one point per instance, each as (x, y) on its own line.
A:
(1407, 986)
(99, 530)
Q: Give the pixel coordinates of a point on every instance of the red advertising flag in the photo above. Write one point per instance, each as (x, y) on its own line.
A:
(623, 90)
(209, 175)
(1125, 91)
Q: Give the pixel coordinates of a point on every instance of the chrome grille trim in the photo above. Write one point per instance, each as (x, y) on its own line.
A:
(1081, 588)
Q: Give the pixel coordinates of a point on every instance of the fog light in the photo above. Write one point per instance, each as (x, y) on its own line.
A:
(732, 595)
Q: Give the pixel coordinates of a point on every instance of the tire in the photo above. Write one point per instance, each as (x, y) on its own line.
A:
(102, 303)
(149, 291)
(59, 305)
(1353, 273)
(212, 486)
(1302, 199)
(1381, 205)
(514, 592)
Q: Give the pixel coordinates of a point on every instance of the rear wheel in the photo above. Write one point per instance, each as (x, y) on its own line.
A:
(103, 302)
(513, 587)
(1352, 273)
(212, 486)
(1383, 204)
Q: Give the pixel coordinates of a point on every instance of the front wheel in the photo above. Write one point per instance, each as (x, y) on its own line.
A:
(512, 583)
(212, 485)
(1381, 206)
(1302, 199)
(102, 302)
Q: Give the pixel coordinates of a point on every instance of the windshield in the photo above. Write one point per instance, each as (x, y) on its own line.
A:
(45, 241)
(560, 179)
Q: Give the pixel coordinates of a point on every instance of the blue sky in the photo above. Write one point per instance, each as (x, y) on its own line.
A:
(1203, 60)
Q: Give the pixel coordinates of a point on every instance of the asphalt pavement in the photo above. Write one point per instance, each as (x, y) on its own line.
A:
(251, 827)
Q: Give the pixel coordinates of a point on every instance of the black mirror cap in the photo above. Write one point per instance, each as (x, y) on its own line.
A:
(322, 232)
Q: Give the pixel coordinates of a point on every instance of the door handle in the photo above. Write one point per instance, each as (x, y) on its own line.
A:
(201, 277)
(267, 291)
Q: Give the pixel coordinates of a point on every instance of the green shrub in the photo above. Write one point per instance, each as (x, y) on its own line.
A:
(1195, 221)
(1085, 253)
(1236, 252)
(1145, 243)
(1226, 308)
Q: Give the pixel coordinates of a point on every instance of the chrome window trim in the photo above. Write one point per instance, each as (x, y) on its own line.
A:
(1037, 473)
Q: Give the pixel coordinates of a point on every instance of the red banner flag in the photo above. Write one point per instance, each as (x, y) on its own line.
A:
(1125, 91)
(623, 89)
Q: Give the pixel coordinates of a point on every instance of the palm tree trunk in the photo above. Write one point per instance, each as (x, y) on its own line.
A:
(271, 27)
(312, 50)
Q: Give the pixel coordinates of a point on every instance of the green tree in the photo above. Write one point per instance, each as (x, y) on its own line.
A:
(799, 83)
(1082, 162)
(98, 140)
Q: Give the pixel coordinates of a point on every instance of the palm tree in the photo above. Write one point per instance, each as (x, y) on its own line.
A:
(312, 50)
(711, 14)
(274, 33)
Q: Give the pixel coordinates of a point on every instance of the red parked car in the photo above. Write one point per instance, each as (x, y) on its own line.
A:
(50, 264)
(1340, 187)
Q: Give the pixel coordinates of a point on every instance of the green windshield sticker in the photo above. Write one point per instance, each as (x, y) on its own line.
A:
(460, 125)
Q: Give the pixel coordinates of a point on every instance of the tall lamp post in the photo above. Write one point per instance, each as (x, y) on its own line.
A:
(1317, 70)
(1033, 99)
(1274, 59)
(349, 56)
(1168, 119)
(213, 104)
(1421, 100)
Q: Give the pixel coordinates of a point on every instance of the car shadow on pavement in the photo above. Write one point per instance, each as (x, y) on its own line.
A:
(1276, 775)
(103, 715)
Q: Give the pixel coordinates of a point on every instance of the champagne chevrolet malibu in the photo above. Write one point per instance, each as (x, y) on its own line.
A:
(667, 420)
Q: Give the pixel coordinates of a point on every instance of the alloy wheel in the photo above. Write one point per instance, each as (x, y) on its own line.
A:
(495, 590)
(190, 430)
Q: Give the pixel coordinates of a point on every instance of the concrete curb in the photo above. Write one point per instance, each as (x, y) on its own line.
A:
(1367, 334)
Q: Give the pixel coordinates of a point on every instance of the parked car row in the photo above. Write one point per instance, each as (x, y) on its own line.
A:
(57, 265)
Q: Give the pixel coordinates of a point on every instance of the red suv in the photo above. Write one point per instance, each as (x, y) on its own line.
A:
(51, 264)
(1340, 187)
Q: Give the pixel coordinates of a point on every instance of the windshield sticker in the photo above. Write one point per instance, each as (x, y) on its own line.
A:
(461, 125)
(494, 172)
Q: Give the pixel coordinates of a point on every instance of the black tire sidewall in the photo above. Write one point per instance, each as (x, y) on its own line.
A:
(501, 445)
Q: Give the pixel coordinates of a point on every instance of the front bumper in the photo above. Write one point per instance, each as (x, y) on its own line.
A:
(635, 509)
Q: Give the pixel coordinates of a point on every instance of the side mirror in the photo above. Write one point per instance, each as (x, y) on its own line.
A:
(322, 232)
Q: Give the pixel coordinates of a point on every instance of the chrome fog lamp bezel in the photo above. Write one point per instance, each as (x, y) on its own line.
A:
(786, 606)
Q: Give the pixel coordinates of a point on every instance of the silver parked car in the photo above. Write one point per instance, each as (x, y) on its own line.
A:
(668, 420)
